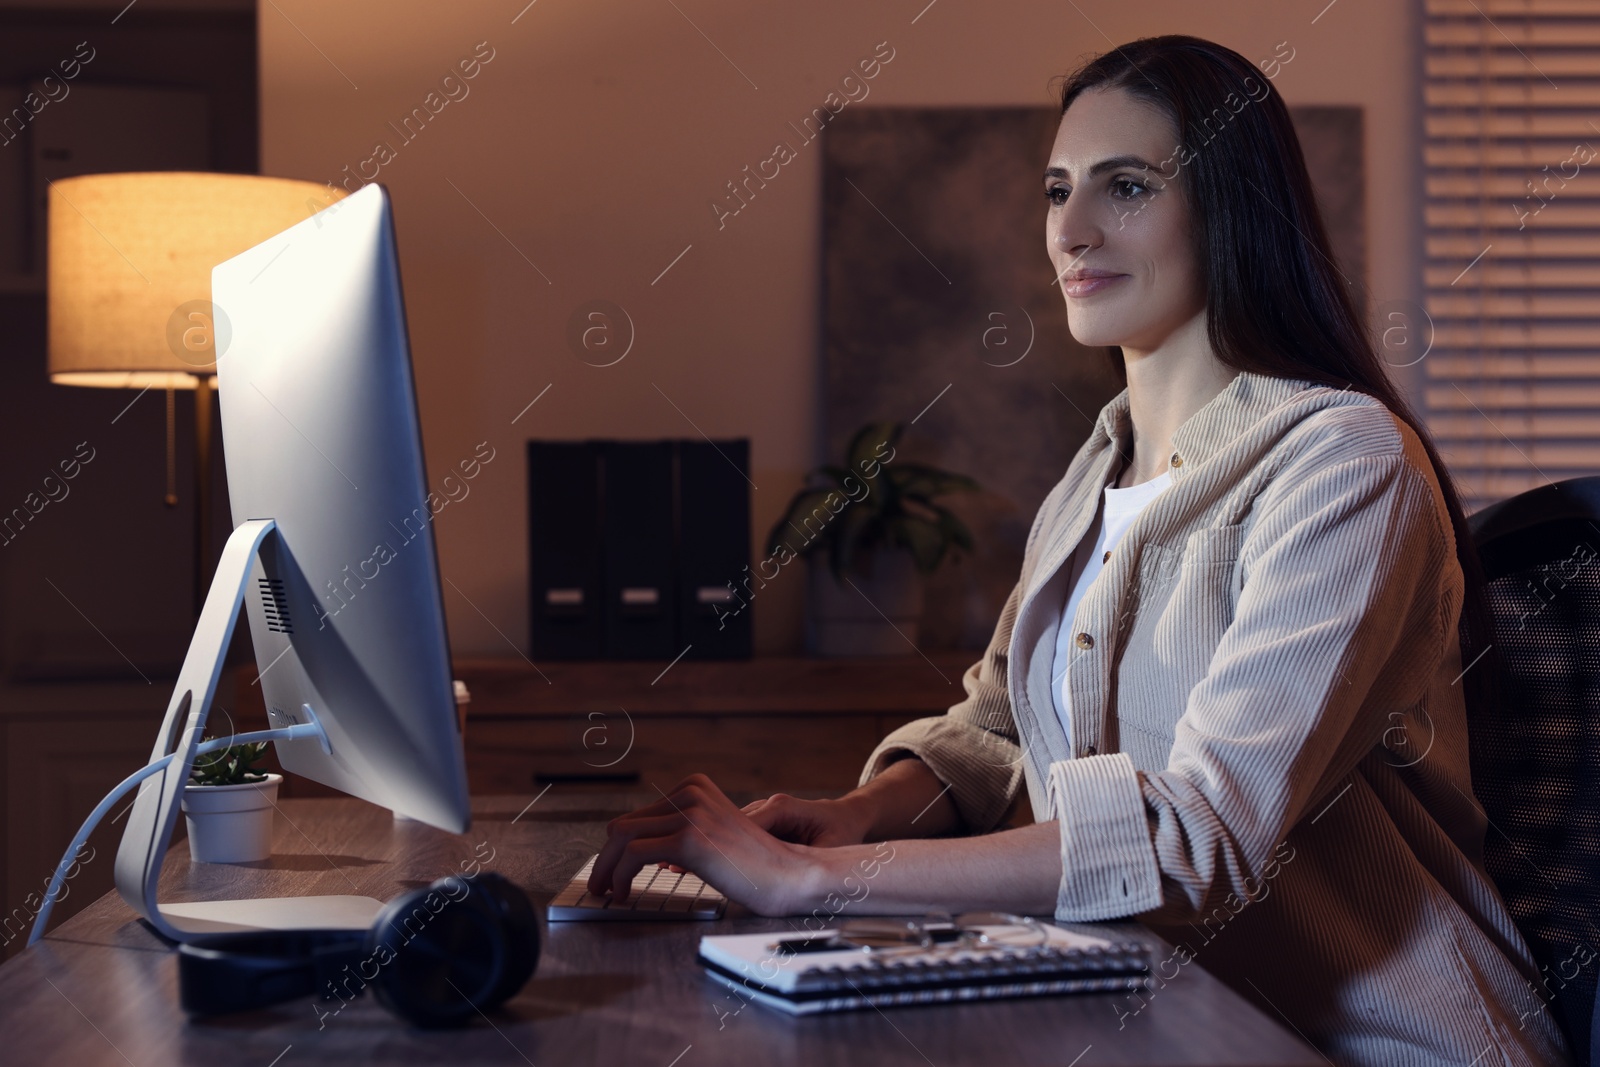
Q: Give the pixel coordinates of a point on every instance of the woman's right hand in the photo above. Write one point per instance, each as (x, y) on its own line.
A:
(821, 823)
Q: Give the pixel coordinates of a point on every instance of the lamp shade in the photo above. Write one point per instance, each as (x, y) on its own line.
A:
(129, 283)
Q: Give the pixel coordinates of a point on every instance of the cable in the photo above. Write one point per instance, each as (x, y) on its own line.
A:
(298, 731)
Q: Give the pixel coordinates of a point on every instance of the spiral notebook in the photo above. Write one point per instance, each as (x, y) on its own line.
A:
(776, 969)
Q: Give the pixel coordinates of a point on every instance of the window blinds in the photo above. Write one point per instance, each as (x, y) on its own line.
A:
(1512, 241)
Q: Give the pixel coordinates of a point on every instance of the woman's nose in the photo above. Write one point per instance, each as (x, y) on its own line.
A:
(1076, 234)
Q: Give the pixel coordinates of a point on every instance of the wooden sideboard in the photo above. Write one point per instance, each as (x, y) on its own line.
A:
(63, 746)
(763, 724)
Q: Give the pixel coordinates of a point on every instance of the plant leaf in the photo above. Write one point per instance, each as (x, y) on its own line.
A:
(869, 443)
(922, 480)
(953, 528)
(230, 766)
(922, 538)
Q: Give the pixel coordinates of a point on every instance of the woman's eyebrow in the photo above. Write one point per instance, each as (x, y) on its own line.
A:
(1097, 169)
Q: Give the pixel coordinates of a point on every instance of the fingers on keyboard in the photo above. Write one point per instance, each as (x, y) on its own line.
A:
(656, 891)
(569, 896)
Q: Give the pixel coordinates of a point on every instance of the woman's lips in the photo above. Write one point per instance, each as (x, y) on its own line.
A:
(1090, 284)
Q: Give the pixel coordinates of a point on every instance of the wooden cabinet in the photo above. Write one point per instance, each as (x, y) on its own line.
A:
(762, 724)
(62, 748)
(765, 724)
(755, 752)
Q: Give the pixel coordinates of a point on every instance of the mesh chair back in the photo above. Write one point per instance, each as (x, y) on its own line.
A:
(1536, 756)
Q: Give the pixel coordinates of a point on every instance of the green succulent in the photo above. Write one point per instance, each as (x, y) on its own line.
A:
(887, 503)
(229, 766)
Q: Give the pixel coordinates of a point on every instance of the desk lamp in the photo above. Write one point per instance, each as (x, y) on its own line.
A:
(129, 289)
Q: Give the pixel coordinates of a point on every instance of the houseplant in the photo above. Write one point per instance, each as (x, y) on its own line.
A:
(876, 521)
(228, 806)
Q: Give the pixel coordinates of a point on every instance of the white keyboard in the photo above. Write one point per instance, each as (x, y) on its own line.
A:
(657, 894)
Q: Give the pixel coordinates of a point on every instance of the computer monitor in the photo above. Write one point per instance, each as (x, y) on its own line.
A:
(321, 435)
(332, 556)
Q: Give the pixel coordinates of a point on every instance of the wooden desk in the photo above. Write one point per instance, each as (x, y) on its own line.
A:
(101, 989)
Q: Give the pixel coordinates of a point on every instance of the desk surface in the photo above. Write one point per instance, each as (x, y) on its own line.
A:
(101, 989)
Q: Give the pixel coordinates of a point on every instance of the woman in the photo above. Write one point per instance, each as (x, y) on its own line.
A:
(1230, 675)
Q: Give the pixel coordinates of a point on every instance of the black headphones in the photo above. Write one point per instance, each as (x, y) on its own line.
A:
(436, 956)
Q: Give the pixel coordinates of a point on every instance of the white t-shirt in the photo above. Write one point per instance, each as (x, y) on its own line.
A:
(1118, 509)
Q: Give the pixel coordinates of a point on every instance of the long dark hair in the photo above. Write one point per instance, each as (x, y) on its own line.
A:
(1276, 303)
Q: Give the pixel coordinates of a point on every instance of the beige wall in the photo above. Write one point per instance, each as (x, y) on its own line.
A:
(595, 140)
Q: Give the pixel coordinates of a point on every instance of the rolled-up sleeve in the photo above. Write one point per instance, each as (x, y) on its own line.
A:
(972, 748)
(1350, 588)
(1108, 859)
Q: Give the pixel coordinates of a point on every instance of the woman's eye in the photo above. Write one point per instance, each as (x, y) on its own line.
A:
(1127, 189)
(1057, 195)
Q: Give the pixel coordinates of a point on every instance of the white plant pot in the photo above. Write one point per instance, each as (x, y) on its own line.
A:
(879, 617)
(231, 823)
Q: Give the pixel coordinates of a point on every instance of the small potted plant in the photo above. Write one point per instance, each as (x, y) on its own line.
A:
(877, 520)
(228, 806)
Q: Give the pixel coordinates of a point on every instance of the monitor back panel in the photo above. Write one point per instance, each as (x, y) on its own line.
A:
(321, 434)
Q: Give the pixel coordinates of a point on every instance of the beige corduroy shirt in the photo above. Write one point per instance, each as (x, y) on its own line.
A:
(1268, 754)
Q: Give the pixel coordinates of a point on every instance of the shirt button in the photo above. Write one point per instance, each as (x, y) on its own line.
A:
(1087, 751)
(1177, 460)
(1085, 641)
(1106, 558)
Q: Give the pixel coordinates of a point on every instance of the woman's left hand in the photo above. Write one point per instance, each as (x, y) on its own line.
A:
(696, 826)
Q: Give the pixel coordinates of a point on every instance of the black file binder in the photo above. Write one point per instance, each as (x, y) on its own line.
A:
(639, 612)
(716, 584)
(564, 564)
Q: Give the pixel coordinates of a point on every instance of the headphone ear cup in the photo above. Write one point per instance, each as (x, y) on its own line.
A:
(442, 952)
(220, 973)
(520, 925)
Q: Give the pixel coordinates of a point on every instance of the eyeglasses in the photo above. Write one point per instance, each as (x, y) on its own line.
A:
(939, 932)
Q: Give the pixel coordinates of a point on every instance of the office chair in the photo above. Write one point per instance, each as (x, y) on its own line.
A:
(1536, 756)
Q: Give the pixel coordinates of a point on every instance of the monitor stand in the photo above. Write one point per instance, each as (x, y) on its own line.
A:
(155, 810)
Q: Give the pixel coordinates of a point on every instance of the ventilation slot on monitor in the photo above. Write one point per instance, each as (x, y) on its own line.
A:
(275, 602)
